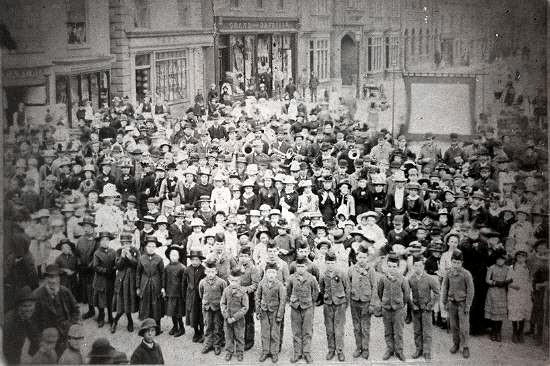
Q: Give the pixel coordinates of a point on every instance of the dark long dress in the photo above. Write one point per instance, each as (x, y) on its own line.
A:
(104, 277)
(476, 260)
(172, 282)
(150, 270)
(125, 299)
(193, 307)
(68, 262)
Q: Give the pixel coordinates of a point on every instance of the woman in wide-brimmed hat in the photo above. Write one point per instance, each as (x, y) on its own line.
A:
(67, 262)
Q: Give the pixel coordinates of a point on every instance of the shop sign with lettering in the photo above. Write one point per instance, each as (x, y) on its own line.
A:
(240, 24)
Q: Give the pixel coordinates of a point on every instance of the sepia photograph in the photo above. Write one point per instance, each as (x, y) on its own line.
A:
(246, 182)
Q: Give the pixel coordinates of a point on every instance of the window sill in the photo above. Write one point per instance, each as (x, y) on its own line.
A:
(78, 46)
(178, 101)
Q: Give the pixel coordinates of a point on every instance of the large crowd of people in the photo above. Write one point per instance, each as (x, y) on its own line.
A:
(223, 216)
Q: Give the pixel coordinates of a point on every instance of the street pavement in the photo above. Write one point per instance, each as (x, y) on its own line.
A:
(181, 351)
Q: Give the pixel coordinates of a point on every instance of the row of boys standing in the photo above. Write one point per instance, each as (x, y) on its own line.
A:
(201, 294)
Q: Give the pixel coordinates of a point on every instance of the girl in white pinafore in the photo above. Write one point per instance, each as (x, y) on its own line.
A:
(520, 303)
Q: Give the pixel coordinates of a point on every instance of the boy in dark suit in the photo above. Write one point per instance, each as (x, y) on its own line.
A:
(210, 291)
(425, 293)
(335, 288)
(270, 309)
(234, 305)
(394, 294)
(302, 291)
(192, 276)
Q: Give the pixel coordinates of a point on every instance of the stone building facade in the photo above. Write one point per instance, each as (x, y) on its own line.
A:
(62, 58)
(162, 49)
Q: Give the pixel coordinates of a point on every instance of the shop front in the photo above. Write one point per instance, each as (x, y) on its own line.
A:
(168, 66)
(80, 81)
(252, 51)
(30, 86)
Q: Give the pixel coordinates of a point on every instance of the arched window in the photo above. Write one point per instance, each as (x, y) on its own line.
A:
(420, 42)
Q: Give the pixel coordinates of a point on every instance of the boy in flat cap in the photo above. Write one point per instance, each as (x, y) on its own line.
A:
(457, 294)
(335, 287)
(364, 300)
(302, 291)
(249, 281)
(394, 293)
(210, 291)
(270, 309)
(425, 293)
(234, 305)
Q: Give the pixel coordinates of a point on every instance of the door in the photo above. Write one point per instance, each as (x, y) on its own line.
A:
(349, 66)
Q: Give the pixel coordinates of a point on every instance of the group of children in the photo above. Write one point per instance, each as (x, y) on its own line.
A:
(221, 220)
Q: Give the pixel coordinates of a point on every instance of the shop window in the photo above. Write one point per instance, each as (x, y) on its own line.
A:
(142, 18)
(171, 75)
(319, 62)
(31, 95)
(374, 53)
(143, 76)
(76, 22)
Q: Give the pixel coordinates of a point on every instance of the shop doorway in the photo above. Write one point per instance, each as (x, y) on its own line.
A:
(349, 66)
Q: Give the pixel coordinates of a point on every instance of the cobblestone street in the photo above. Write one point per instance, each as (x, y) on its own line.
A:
(178, 350)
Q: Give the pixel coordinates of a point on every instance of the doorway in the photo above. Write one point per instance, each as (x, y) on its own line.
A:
(349, 67)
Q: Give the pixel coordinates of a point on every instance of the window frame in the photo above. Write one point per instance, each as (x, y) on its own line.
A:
(68, 24)
(168, 63)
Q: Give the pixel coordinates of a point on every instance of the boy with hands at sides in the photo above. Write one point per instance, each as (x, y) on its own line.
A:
(234, 305)
(425, 293)
(270, 310)
(302, 291)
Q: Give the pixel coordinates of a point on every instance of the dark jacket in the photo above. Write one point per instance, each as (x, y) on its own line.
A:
(191, 279)
(143, 355)
(18, 331)
(61, 313)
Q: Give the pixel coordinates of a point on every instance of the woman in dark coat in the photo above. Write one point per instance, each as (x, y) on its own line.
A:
(172, 286)
(104, 278)
(125, 299)
(193, 306)
(67, 262)
(150, 270)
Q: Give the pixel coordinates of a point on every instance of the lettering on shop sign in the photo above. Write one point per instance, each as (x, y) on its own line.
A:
(231, 24)
(25, 73)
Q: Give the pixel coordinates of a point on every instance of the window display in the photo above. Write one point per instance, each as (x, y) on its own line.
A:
(171, 75)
